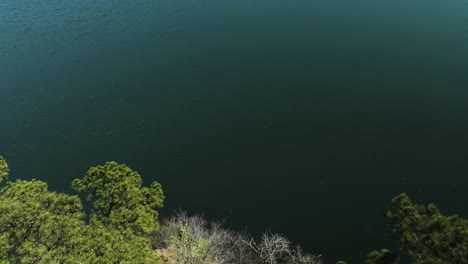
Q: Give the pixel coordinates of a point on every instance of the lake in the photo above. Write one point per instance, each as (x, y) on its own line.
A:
(300, 117)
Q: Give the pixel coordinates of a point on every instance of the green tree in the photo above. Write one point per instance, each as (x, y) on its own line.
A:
(102, 245)
(383, 256)
(427, 235)
(119, 199)
(39, 226)
(3, 169)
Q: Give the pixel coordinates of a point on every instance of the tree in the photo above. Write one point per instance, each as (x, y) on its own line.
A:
(39, 226)
(427, 235)
(103, 245)
(120, 200)
(3, 169)
(383, 256)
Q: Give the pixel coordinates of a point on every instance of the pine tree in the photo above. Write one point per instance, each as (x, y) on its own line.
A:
(119, 199)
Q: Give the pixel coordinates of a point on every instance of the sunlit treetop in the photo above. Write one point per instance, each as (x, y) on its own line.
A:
(44, 227)
(426, 234)
(119, 199)
(3, 169)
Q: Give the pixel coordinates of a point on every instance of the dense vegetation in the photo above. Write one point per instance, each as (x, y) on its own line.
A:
(39, 226)
(427, 236)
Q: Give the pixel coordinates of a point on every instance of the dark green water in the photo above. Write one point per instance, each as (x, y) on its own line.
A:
(302, 117)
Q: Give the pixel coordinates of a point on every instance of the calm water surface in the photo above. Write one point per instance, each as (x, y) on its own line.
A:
(301, 117)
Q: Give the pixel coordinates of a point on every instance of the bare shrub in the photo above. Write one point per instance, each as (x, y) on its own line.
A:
(194, 240)
(277, 249)
(212, 242)
(272, 249)
(241, 252)
(298, 256)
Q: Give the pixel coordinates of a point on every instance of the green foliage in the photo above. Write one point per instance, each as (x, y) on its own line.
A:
(102, 245)
(39, 226)
(120, 200)
(188, 249)
(3, 169)
(426, 235)
(383, 256)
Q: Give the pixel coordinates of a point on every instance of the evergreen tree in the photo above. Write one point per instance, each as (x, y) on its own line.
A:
(383, 256)
(39, 226)
(103, 245)
(119, 199)
(427, 235)
(3, 169)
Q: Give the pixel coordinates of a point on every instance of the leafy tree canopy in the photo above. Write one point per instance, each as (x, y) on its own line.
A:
(426, 234)
(119, 199)
(3, 169)
(383, 256)
(39, 226)
(102, 245)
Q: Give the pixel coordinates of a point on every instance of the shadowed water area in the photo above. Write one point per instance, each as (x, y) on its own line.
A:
(300, 117)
